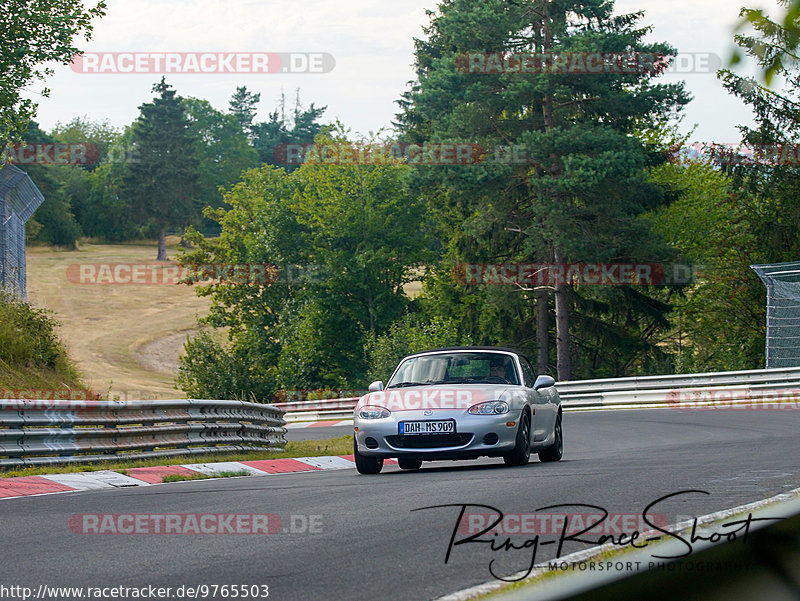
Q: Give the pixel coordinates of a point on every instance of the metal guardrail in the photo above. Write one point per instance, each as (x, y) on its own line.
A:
(723, 378)
(37, 432)
(734, 387)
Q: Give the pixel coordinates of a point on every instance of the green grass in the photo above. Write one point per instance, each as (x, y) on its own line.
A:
(304, 448)
(182, 478)
(31, 353)
(22, 380)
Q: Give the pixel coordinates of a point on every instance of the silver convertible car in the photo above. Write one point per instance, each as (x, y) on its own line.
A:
(458, 403)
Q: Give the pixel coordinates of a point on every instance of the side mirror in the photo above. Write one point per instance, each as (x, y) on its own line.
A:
(543, 382)
(377, 386)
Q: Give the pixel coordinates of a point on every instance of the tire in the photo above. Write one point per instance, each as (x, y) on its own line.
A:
(555, 451)
(364, 464)
(521, 454)
(409, 463)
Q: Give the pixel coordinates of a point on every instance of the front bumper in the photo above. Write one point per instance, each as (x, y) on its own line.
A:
(475, 435)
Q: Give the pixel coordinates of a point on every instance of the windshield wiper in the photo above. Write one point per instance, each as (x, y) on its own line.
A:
(406, 384)
(425, 383)
(478, 380)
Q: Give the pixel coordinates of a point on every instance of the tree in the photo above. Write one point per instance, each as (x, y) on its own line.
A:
(784, 33)
(761, 222)
(773, 176)
(54, 221)
(243, 107)
(163, 184)
(344, 239)
(582, 186)
(300, 128)
(223, 151)
(411, 333)
(257, 228)
(33, 33)
(718, 319)
(101, 135)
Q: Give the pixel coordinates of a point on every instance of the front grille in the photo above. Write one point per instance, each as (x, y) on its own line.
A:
(429, 441)
(370, 442)
(491, 438)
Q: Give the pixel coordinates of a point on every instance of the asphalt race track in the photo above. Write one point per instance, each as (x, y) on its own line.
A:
(369, 543)
(318, 433)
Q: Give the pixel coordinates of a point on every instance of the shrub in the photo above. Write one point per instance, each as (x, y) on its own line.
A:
(28, 337)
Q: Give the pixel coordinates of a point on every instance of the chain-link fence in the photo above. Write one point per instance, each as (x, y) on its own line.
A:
(783, 312)
(19, 198)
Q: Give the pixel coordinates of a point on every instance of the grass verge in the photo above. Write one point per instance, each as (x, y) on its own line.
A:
(182, 478)
(23, 381)
(302, 448)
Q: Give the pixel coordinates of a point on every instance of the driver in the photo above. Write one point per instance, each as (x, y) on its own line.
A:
(497, 367)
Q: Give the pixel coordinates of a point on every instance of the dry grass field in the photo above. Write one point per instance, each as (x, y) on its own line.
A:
(124, 338)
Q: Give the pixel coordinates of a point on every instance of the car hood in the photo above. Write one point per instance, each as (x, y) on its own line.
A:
(440, 396)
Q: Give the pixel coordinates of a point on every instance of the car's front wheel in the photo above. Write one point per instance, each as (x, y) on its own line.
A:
(556, 450)
(365, 464)
(521, 454)
(409, 463)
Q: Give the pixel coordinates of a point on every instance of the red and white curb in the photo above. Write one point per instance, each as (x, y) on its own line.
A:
(145, 476)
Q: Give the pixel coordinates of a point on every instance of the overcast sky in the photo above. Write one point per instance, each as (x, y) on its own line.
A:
(371, 41)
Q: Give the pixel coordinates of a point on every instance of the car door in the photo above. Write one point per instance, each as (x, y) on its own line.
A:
(545, 414)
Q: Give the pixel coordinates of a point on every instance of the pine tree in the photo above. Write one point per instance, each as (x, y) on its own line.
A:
(581, 187)
(269, 137)
(243, 107)
(162, 184)
(774, 175)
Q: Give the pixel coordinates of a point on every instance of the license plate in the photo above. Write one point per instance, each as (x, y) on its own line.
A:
(428, 427)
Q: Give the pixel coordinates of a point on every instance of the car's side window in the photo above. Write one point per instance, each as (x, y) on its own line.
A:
(527, 372)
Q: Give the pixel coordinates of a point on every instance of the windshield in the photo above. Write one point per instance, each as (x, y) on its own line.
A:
(455, 368)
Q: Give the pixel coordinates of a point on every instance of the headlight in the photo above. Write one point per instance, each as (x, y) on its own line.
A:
(490, 408)
(373, 412)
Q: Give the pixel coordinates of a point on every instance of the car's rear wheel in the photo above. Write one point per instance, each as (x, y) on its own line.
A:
(365, 464)
(521, 454)
(409, 463)
(556, 450)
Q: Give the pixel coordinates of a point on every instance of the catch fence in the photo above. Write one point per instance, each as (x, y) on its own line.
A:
(19, 198)
(783, 313)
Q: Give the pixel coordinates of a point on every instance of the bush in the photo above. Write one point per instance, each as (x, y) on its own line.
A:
(210, 370)
(28, 338)
(409, 334)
